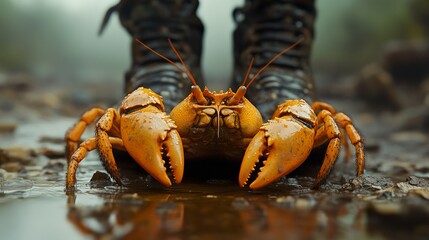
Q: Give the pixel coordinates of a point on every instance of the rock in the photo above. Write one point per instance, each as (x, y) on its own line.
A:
(415, 186)
(100, 180)
(7, 127)
(12, 166)
(416, 181)
(368, 184)
(16, 154)
(50, 153)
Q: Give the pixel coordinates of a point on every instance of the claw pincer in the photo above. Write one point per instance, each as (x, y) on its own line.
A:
(141, 127)
(282, 144)
(146, 130)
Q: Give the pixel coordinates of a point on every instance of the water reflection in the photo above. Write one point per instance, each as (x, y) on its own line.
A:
(213, 212)
(128, 216)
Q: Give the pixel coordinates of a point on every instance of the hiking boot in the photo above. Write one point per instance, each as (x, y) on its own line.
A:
(264, 29)
(154, 22)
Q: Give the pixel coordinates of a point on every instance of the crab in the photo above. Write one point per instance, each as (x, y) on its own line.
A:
(207, 122)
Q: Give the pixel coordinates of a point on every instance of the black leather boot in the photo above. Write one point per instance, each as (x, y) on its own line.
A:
(264, 29)
(153, 22)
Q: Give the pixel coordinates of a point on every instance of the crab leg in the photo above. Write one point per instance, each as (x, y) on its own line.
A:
(104, 125)
(347, 129)
(355, 139)
(320, 137)
(73, 134)
(81, 152)
(333, 133)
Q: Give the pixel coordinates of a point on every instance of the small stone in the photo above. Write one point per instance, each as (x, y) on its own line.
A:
(50, 153)
(12, 166)
(7, 127)
(415, 181)
(16, 154)
(100, 176)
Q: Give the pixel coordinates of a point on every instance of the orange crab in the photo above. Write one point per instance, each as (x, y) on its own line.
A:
(207, 122)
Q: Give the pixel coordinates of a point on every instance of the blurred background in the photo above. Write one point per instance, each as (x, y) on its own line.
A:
(54, 44)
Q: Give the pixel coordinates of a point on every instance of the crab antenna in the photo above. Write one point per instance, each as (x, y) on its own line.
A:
(273, 59)
(160, 55)
(184, 65)
(241, 91)
(196, 90)
(248, 71)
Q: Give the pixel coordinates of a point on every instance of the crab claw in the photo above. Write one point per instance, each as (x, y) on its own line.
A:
(282, 144)
(148, 136)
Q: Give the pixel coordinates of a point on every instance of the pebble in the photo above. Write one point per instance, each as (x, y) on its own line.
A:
(7, 127)
(12, 166)
(100, 176)
(416, 181)
(16, 154)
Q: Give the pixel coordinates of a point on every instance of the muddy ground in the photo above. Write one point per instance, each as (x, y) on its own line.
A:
(390, 201)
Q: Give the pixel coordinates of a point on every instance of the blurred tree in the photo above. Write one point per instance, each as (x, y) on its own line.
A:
(420, 12)
(360, 29)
